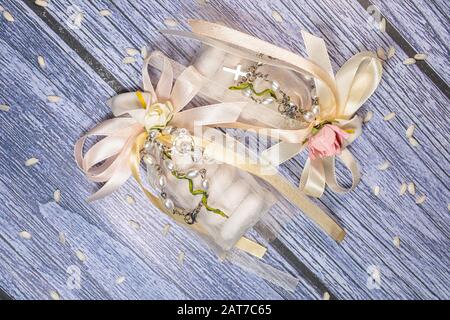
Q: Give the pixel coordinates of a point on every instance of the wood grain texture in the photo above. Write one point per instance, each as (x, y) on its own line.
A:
(425, 25)
(418, 269)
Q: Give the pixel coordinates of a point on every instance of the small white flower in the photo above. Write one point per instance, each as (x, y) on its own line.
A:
(158, 115)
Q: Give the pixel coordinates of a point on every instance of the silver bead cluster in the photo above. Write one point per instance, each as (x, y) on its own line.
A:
(157, 158)
(285, 105)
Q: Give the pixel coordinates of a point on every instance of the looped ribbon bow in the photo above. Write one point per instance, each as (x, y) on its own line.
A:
(116, 157)
(339, 96)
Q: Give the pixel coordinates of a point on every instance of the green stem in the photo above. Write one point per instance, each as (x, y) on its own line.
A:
(246, 85)
(198, 192)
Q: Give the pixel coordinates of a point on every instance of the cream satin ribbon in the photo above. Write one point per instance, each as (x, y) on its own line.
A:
(340, 97)
(117, 156)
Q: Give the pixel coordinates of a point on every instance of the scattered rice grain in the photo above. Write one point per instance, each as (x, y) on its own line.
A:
(166, 229)
(41, 3)
(391, 52)
(381, 53)
(4, 107)
(403, 189)
(132, 51)
(54, 295)
(130, 199)
(62, 237)
(57, 195)
(2, 9)
(277, 16)
(410, 131)
(421, 199)
(376, 190)
(105, 13)
(384, 165)
(78, 20)
(134, 224)
(383, 25)
(41, 62)
(144, 52)
(128, 60)
(413, 142)
(53, 99)
(411, 188)
(31, 162)
(171, 23)
(25, 235)
(389, 116)
(396, 241)
(181, 257)
(409, 61)
(420, 56)
(326, 296)
(8, 16)
(120, 280)
(80, 255)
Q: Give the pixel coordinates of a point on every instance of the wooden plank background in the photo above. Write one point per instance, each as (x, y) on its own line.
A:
(126, 242)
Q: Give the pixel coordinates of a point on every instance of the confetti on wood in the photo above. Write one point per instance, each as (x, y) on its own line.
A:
(326, 296)
(62, 237)
(8, 16)
(132, 51)
(105, 13)
(420, 56)
(25, 235)
(403, 188)
(171, 23)
(384, 166)
(410, 131)
(134, 224)
(277, 16)
(412, 188)
(128, 60)
(31, 162)
(57, 195)
(54, 295)
(391, 52)
(4, 107)
(413, 142)
(41, 3)
(368, 116)
(376, 190)
(130, 199)
(396, 241)
(389, 116)
(41, 62)
(421, 199)
(80, 255)
(166, 229)
(409, 61)
(120, 280)
(181, 257)
(53, 99)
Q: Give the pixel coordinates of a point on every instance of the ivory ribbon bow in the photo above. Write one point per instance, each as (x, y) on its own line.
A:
(340, 97)
(151, 108)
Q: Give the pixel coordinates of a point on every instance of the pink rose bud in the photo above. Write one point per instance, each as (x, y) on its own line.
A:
(327, 142)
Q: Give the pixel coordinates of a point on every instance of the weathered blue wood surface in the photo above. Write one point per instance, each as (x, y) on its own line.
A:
(419, 268)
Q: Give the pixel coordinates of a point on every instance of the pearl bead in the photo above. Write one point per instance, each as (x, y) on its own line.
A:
(168, 130)
(191, 174)
(315, 109)
(169, 164)
(308, 116)
(168, 203)
(275, 85)
(205, 184)
(148, 145)
(153, 134)
(267, 100)
(162, 181)
(247, 92)
(149, 159)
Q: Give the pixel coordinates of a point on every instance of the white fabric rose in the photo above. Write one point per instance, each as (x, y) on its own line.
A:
(158, 115)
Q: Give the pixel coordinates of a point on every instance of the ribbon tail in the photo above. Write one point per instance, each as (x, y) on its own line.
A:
(330, 171)
(312, 180)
